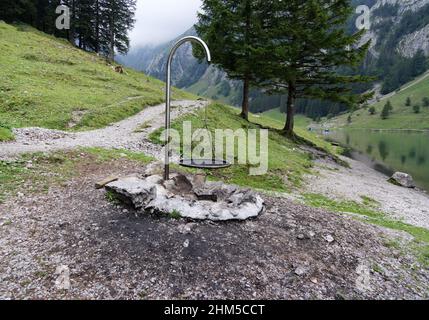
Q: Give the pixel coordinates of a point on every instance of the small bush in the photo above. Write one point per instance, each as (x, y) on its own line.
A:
(408, 102)
(416, 108)
(425, 102)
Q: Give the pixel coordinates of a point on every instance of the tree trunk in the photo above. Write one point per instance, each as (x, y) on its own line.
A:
(71, 32)
(290, 109)
(112, 39)
(245, 104)
(97, 27)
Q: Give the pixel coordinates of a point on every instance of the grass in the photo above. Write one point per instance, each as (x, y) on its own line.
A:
(112, 198)
(45, 80)
(420, 244)
(36, 172)
(287, 163)
(300, 120)
(143, 127)
(175, 214)
(402, 116)
(6, 134)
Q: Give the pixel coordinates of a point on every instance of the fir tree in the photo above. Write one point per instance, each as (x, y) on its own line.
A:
(408, 102)
(232, 30)
(305, 45)
(386, 111)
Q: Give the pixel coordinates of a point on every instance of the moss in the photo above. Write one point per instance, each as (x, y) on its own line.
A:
(112, 198)
(175, 214)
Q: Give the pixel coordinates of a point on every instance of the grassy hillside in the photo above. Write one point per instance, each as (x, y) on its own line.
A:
(206, 88)
(287, 162)
(46, 82)
(402, 116)
(301, 121)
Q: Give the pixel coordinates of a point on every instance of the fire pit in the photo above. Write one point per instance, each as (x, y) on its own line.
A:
(188, 196)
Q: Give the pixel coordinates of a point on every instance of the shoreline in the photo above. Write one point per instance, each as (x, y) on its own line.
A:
(351, 184)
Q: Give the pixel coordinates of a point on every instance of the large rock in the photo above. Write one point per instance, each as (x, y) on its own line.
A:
(212, 200)
(402, 179)
(133, 191)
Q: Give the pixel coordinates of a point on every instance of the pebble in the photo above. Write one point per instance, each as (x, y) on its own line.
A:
(186, 243)
(300, 271)
(329, 238)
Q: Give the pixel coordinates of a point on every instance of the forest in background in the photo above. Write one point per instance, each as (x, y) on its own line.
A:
(95, 25)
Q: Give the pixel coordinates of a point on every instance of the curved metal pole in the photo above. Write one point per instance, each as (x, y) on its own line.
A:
(168, 95)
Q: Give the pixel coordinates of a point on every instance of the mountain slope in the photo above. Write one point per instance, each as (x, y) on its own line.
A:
(46, 82)
(392, 30)
(402, 116)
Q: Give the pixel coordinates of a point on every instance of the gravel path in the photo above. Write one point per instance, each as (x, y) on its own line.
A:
(340, 183)
(119, 135)
(289, 252)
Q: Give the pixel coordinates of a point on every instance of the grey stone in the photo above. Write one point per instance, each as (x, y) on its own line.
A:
(152, 194)
(300, 271)
(300, 237)
(402, 179)
(133, 191)
(329, 238)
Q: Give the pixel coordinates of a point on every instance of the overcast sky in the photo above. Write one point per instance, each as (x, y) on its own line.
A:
(161, 20)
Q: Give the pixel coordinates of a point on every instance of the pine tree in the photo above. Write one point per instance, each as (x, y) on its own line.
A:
(425, 102)
(418, 63)
(385, 112)
(18, 11)
(408, 102)
(416, 108)
(305, 44)
(389, 106)
(117, 17)
(232, 31)
(371, 110)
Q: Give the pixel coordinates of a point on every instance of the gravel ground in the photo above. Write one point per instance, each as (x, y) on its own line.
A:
(337, 182)
(119, 135)
(289, 252)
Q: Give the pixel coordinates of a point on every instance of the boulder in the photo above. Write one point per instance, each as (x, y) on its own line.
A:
(133, 191)
(212, 200)
(402, 179)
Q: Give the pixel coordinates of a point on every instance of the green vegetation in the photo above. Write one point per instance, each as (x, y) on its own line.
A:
(386, 110)
(287, 163)
(416, 108)
(5, 133)
(31, 169)
(112, 198)
(175, 214)
(420, 243)
(46, 82)
(301, 121)
(401, 117)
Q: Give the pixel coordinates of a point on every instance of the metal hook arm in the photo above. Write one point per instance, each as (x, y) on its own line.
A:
(168, 95)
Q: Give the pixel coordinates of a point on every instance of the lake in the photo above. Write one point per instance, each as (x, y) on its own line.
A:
(388, 150)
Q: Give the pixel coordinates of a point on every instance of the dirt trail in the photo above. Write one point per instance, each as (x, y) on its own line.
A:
(122, 134)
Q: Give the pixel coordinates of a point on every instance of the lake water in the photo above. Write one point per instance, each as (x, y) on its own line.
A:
(389, 151)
